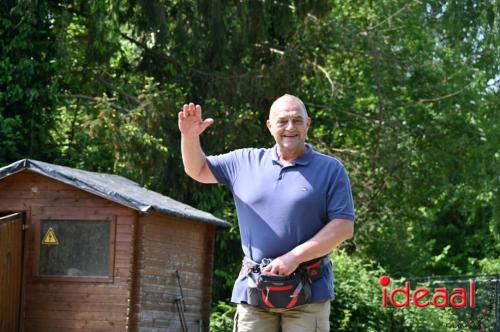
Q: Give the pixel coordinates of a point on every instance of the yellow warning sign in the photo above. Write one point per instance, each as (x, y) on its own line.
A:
(50, 237)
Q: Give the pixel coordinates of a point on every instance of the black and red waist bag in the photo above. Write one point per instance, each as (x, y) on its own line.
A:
(282, 291)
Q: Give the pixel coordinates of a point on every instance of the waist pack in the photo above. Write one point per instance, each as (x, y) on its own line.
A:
(281, 291)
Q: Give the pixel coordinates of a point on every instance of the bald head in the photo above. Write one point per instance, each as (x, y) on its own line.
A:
(288, 123)
(286, 98)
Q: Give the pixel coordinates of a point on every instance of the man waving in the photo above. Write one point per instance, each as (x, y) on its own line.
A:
(294, 207)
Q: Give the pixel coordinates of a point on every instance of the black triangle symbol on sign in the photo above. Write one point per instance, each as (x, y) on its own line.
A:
(50, 237)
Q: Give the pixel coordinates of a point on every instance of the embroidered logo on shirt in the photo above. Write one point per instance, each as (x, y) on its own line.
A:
(304, 189)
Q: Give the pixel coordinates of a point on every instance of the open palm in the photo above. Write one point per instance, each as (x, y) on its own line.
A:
(190, 120)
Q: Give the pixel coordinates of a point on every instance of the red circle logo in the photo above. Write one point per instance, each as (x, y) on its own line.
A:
(384, 280)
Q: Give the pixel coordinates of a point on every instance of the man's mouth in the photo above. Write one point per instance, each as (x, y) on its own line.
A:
(290, 136)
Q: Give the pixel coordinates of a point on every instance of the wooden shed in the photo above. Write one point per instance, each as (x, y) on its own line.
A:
(86, 251)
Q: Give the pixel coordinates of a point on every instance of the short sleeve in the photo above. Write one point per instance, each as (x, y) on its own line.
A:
(340, 202)
(224, 167)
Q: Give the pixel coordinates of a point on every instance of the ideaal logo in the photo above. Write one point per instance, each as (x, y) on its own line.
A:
(423, 297)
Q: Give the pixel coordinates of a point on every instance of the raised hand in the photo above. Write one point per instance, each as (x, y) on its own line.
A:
(191, 124)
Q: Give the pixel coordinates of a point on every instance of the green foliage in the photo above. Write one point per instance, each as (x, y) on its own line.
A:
(414, 120)
(221, 319)
(27, 88)
(10, 129)
(490, 265)
(358, 303)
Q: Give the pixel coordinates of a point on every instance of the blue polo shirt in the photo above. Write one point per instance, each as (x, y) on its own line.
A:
(280, 207)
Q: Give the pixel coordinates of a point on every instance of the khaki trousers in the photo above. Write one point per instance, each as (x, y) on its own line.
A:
(312, 317)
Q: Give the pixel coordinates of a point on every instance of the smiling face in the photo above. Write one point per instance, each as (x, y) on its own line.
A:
(288, 123)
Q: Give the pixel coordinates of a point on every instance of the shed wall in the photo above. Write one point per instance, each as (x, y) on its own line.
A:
(69, 305)
(166, 244)
(11, 257)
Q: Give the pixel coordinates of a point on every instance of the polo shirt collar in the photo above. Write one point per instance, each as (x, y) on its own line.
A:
(303, 160)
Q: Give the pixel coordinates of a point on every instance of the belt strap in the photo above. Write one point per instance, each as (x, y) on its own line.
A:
(309, 267)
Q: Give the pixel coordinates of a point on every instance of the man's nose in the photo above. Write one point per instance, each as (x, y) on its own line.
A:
(290, 124)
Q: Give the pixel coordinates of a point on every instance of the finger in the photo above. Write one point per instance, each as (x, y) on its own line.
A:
(185, 109)
(191, 109)
(275, 270)
(198, 111)
(270, 268)
(206, 123)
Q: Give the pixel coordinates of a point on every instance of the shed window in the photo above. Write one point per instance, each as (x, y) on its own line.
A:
(76, 248)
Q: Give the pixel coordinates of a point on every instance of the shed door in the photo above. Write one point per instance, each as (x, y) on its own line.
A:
(11, 248)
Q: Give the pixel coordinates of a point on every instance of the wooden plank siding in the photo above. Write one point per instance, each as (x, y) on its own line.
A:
(69, 305)
(166, 244)
(11, 257)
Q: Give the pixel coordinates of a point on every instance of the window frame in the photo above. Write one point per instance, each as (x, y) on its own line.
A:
(111, 253)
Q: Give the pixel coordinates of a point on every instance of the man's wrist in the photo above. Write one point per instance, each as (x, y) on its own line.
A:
(294, 256)
(190, 137)
(304, 253)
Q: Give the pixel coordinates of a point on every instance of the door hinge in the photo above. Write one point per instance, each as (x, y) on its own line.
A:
(25, 227)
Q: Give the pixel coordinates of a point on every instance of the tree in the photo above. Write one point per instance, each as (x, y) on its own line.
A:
(27, 87)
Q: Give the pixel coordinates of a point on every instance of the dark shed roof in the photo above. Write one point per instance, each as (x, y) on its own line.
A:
(114, 188)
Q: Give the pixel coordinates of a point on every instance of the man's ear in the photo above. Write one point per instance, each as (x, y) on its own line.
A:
(268, 124)
(308, 126)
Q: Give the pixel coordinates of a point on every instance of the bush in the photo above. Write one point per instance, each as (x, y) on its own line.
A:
(221, 319)
(490, 265)
(358, 303)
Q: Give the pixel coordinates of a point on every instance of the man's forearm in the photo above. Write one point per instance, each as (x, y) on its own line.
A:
(327, 239)
(193, 156)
